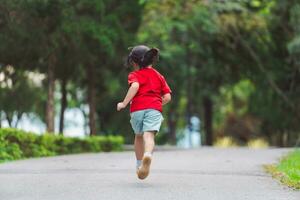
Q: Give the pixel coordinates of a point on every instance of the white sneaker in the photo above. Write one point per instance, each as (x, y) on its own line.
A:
(144, 170)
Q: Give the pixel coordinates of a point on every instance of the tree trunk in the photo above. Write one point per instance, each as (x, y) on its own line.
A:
(1, 118)
(189, 89)
(63, 103)
(19, 116)
(172, 126)
(9, 120)
(208, 112)
(50, 101)
(86, 125)
(91, 99)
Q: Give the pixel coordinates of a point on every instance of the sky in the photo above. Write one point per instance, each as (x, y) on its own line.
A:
(74, 123)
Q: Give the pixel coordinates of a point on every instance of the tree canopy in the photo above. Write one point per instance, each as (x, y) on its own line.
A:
(235, 64)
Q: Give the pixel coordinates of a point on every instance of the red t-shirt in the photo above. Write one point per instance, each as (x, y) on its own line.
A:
(152, 87)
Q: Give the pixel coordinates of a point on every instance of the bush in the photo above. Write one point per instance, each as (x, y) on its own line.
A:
(9, 152)
(17, 144)
(225, 142)
(258, 143)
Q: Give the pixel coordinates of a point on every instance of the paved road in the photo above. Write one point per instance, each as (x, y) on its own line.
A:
(206, 173)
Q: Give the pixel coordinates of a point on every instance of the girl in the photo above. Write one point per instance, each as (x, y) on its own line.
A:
(147, 93)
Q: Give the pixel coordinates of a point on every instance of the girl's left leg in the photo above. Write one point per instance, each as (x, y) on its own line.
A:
(139, 146)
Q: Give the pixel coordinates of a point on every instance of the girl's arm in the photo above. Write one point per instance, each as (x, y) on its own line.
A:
(130, 94)
(166, 98)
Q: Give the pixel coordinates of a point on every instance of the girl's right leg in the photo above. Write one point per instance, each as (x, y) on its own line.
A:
(149, 141)
(146, 162)
(139, 146)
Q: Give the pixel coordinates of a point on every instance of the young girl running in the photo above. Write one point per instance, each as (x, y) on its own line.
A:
(148, 92)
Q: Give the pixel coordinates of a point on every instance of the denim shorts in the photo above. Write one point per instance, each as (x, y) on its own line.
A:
(146, 120)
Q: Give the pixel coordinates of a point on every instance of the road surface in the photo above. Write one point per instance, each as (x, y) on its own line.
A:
(205, 173)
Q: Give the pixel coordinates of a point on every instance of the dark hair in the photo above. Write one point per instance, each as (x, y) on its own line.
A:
(143, 56)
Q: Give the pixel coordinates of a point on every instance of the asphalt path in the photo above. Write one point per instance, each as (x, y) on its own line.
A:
(205, 173)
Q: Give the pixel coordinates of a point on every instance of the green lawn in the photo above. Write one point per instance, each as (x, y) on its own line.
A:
(288, 169)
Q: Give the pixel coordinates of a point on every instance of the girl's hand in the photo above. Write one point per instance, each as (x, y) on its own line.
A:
(166, 98)
(120, 106)
(130, 94)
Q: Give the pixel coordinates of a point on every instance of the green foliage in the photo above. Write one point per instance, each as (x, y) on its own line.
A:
(290, 166)
(233, 118)
(233, 99)
(242, 55)
(209, 46)
(161, 138)
(18, 94)
(76, 35)
(16, 144)
(9, 151)
(277, 92)
(287, 170)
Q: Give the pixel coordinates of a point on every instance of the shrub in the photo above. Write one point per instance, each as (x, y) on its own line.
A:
(17, 144)
(48, 141)
(9, 151)
(257, 143)
(225, 142)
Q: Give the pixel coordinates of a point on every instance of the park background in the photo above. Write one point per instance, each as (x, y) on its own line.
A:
(233, 64)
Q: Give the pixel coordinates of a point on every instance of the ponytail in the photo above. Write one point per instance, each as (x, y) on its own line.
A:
(149, 58)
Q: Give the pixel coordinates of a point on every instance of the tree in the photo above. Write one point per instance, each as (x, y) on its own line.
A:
(19, 95)
(190, 35)
(43, 20)
(282, 72)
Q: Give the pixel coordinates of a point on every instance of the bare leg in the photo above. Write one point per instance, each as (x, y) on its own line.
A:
(139, 146)
(143, 172)
(149, 141)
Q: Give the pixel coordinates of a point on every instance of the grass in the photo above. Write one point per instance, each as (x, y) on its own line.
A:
(287, 170)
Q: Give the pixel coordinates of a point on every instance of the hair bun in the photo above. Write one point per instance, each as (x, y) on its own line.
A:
(142, 55)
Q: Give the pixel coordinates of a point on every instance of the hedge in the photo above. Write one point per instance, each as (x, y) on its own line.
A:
(17, 144)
